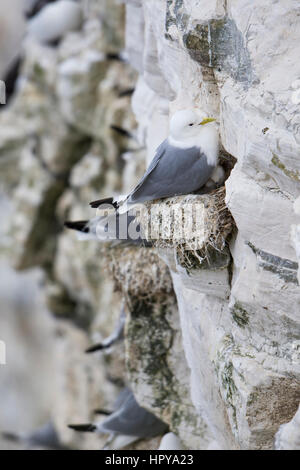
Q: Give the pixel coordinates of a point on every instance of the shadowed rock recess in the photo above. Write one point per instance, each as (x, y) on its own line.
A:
(212, 340)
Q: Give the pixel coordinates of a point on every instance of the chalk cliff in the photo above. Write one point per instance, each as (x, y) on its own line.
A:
(213, 348)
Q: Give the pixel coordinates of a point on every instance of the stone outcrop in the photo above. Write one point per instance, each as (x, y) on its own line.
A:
(242, 347)
(57, 153)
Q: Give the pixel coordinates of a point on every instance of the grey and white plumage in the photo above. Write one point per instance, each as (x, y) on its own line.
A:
(49, 21)
(32, 7)
(170, 174)
(44, 437)
(55, 20)
(184, 163)
(116, 336)
(117, 228)
(128, 423)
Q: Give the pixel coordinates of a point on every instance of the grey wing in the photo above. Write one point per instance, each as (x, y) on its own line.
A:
(153, 164)
(123, 396)
(45, 436)
(177, 172)
(133, 420)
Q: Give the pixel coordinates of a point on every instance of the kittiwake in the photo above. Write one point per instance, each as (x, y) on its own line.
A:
(127, 424)
(45, 437)
(186, 162)
(55, 20)
(49, 22)
(116, 336)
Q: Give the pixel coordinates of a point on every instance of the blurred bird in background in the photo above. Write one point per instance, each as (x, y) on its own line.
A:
(45, 21)
(45, 437)
(116, 336)
(127, 424)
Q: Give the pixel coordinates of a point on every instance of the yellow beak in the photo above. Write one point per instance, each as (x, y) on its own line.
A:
(206, 121)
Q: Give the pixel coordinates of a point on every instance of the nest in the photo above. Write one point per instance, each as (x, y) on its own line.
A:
(138, 272)
(219, 222)
(193, 222)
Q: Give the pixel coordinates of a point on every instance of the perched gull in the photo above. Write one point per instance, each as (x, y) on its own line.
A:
(45, 437)
(32, 7)
(129, 423)
(50, 21)
(116, 336)
(184, 163)
(55, 20)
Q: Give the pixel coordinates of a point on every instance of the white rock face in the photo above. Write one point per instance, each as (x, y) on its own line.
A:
(288, 436)
(230, 58)
(295, 233)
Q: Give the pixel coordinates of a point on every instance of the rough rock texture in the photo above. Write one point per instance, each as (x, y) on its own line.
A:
(57, 153)
(212, 343)
(156, 366)
(288, 436)
(230, 58)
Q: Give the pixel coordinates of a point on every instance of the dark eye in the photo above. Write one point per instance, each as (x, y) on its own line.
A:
(191, 124)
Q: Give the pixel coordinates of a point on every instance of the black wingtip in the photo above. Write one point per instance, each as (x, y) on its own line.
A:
(9, 436)
(95, 348)
(121, 131)
(80, 226)
(100, 411)
(83, 427)
(114, 56)
(101, 202)
(127, 92)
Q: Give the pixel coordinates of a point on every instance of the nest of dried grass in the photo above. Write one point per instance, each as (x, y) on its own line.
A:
(219, 222)
(210, 230)
(138, 272)
(218, 226)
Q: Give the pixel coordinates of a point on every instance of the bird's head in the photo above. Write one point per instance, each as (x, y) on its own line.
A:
(189, 123)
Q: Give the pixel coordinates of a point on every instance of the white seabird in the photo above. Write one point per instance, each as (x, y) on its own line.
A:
(116, 336)
(51, 22)
(129, 423)
(45, 437)
(184, 163)
(55, 20)
(32, 7)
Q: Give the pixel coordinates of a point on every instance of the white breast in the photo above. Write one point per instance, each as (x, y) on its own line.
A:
(207, 141)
